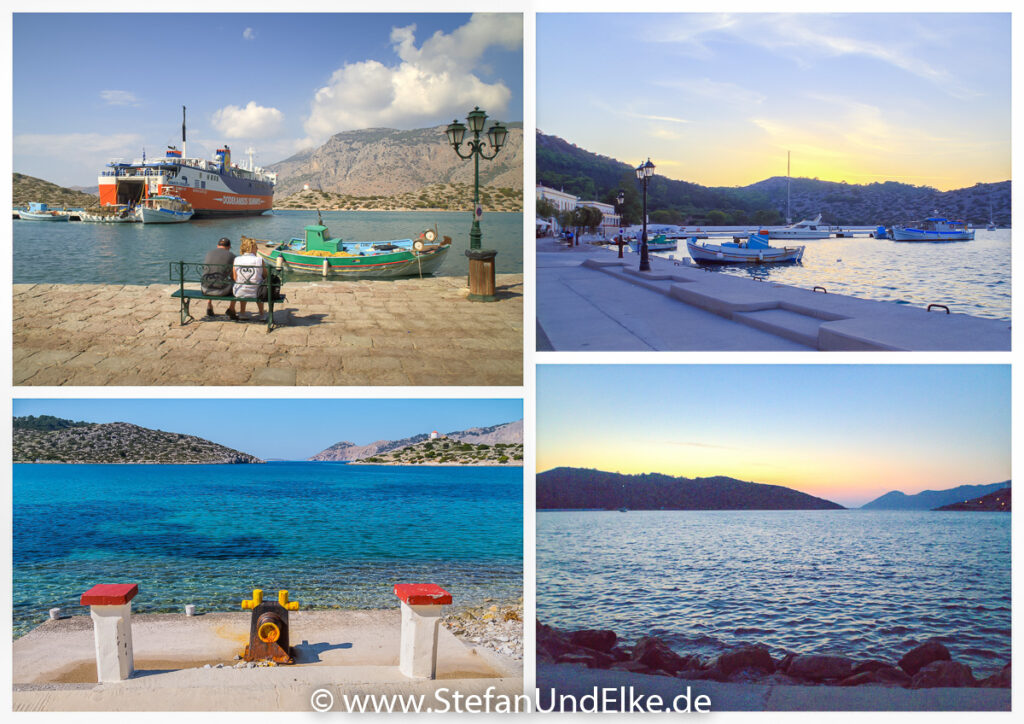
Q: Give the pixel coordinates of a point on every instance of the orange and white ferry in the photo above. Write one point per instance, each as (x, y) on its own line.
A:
(213, 188)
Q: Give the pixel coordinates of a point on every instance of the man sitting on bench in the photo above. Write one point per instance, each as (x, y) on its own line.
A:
(217, 275)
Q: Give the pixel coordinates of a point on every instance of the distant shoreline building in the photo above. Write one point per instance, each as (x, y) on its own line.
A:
(610, 221)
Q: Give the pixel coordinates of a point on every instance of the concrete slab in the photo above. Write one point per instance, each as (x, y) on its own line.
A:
(578, 681)
(597, 277)
(54, 664)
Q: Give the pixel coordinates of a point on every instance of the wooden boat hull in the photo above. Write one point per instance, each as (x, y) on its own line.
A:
(715, 254)
(379, 266)
(43, 216)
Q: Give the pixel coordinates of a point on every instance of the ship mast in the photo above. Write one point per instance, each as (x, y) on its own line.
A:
(184, 152)
(789, 218)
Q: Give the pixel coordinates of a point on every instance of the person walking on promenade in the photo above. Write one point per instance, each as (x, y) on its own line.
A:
(216, 280)
(248, 273)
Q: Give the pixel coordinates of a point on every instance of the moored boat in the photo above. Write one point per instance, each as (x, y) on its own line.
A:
(318, 253)
(934, 228)
(662, 243)
(214, 188)
(806, 229)
(41, 212)
(163, 209)
(120, 214)
(755, 250)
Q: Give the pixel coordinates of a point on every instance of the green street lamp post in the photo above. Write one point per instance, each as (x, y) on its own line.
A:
(481, 261)
(643, 173)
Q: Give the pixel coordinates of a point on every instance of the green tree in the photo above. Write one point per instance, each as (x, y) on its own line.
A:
(716, 217)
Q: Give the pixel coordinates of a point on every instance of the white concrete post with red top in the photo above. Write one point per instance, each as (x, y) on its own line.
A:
(110, 605)
(422, 604)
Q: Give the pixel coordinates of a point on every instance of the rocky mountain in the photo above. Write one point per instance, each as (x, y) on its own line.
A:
(998, 502)
(931, 499)
(114, 442)
(445, 450)
(29, 188)
(579, 488)
(433, 197)
(387, 162)
(561, 164)
(509, 433)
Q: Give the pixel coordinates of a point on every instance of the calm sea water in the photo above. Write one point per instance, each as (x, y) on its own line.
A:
(970, 277)
(85, 253)
(334, 535)
(853, 583)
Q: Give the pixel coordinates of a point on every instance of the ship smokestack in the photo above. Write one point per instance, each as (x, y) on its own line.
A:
(184, 148)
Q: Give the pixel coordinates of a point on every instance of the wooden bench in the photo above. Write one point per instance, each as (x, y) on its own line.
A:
(182, 273)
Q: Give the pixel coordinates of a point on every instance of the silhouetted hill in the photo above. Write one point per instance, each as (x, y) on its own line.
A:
(580, 488)
(998, 502)
(563, 165)
(931, 499)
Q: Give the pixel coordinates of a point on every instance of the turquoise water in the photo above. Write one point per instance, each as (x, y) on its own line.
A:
(845, 582)
(970, 277)
(334, 535)
(85, 253)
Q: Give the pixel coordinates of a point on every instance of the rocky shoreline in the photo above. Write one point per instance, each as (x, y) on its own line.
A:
(495, 625)
(928, 665)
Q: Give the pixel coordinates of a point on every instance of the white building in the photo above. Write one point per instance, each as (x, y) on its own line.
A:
(433, 435)
(563, 201)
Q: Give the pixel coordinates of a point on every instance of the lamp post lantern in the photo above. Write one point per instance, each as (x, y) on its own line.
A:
(481, 261)
(644, 172)
(621, 198)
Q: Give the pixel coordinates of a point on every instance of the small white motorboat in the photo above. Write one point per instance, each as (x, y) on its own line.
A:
(41, 212)
(163, 209)
(755, 250)
(934, 228)
(806, 229)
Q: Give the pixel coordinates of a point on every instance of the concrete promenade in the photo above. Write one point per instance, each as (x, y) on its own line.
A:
(588, 299)
(343, 651)
(401, 332)
(578, 680)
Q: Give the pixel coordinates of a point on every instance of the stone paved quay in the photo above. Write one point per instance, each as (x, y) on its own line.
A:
(401, 332)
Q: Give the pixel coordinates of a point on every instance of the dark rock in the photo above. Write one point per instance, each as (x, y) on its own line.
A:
(943, 673)
(655, 654)
(780, 679)
(922, 655)
(590, 659)
(886, 675)
(748, 657)
(619, 654)
(817, 668)
(552, 643)
(702, 675)
(632, 666)
(997, 681)
(783, 665)
(747, 675)
(870, 665)
(602, 641)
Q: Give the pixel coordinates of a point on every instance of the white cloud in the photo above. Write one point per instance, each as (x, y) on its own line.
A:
(253, 121)
(715, 90)
(249, 34)
(435, 80)
(119, 98)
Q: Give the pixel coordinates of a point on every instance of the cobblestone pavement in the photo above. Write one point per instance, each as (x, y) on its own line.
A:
(402, 332)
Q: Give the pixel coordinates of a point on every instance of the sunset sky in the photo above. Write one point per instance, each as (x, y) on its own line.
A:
(847, 433)
(718, 99)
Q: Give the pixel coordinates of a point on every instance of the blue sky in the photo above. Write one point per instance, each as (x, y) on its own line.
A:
(277, 82)
(288, 429)
(847, 433)
(718, 99)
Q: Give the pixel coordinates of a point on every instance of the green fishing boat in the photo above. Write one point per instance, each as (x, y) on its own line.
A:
(333, 258)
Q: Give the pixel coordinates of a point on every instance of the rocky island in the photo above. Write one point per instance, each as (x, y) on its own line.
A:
(996, 502)
(584, 489)
(444, 450)
(47, 439)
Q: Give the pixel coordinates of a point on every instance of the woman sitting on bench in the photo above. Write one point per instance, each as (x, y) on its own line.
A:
(247, 274)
